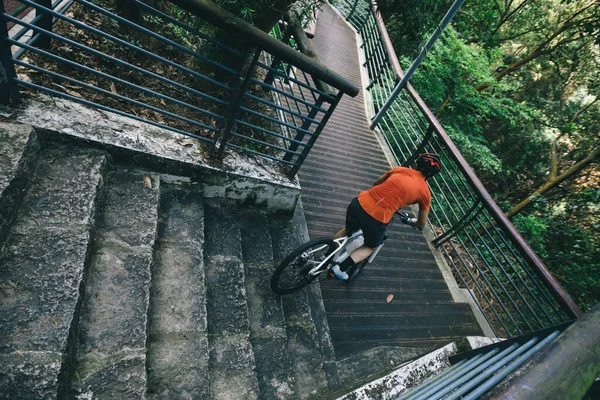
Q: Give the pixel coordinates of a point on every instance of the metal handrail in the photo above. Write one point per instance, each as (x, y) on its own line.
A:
(523, 247)
(226, 105)
(508, 282)
(215, 15)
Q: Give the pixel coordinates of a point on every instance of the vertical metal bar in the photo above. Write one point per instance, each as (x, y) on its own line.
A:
(276, 61)
(300, 134)
(411, 70)
(459, 226)
(315, 135)
(421, 147)
(8, 89)
(352, 10)
(235, 101)
(44, 22)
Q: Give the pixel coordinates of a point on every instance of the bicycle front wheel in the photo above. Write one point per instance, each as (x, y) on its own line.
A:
(292, 273)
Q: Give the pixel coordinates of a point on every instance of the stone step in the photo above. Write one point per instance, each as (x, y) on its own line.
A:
(334, 289)
(111, 355)
(232, 365)
(363, 307)
(41, 272)
(370, 364)
(18, 156)
(309, 350)
(178, 339)
(402, 378)
(382, 333)
(267, 322)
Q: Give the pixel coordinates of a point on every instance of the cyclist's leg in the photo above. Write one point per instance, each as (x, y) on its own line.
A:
(373, 232)
(351, 224)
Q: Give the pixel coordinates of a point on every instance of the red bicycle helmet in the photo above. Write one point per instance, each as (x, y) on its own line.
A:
(429, 164)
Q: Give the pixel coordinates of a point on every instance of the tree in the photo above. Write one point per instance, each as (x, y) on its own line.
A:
(563, 24)
(554, 179)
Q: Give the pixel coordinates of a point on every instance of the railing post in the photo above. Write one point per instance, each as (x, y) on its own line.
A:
(315, 135)
(287, 35)
(459, 226)
(235, 102)
(42, 41)
(8, 88)
(305, 126)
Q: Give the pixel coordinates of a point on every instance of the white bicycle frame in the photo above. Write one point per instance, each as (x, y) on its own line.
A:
(341, 242)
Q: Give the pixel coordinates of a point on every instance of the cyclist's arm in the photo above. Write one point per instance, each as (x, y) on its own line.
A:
(422, 219)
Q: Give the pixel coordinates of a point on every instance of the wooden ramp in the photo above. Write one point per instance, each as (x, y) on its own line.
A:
(347, 159)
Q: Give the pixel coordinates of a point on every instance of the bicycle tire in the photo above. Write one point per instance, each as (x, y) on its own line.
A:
(287, 264)
(356, 269)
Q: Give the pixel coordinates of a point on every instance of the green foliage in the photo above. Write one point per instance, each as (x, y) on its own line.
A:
(568, 245)
(453, 69)
(505, 123)
(534, 228)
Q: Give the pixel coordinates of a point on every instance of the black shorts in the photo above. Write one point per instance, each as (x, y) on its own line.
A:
(357, 218)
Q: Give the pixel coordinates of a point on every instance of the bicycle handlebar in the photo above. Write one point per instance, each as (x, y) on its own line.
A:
(405, 218)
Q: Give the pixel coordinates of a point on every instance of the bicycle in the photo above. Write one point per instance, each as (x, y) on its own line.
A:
(316, 258)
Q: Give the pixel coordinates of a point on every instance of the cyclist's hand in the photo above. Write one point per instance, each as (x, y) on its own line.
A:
(411, 221)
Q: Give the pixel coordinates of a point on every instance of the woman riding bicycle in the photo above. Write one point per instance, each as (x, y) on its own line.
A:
(373, 209)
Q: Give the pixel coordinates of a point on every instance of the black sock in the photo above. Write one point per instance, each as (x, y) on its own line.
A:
(347, 263)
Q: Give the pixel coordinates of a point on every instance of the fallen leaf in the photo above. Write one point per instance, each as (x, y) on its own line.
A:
(113, 88)
(148, 182)
(98, 296)
(390, 298)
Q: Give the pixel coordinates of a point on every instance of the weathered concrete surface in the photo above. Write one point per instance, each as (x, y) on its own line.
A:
(267, 323)
(374, 363)
(29, 374)
(232, 364)
(178, 343)
(232, 368)
(18, 156)
(41, 269)
(64, 189)
(247, 180)
(303, 346)
(404, 378)
(304, 343)
(111, 357)
(112, 375)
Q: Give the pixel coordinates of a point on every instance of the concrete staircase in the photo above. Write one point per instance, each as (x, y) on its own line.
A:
(119, 282)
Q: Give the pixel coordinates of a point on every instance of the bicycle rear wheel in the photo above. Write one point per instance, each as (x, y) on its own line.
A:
(292, 273)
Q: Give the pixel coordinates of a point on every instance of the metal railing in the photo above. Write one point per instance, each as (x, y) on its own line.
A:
(508, 282)
(188, 67)
(558, 362)
(474, 373)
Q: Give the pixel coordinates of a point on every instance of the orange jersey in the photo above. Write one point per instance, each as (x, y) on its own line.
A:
(402, 187)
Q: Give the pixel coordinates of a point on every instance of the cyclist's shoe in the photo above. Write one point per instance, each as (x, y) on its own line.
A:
(338, 273)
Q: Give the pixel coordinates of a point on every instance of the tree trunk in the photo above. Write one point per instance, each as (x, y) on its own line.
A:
(553, 182)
